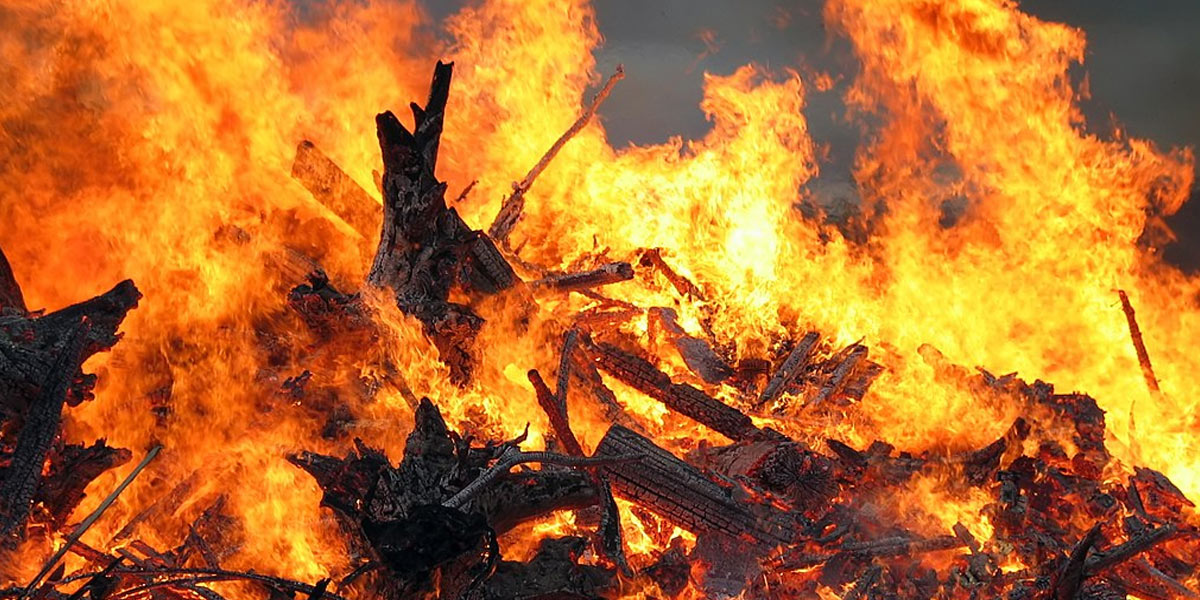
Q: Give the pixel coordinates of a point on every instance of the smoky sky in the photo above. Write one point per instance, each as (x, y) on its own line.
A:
(1142, 66)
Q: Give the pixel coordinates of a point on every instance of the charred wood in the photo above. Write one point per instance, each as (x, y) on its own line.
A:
(789, 371)
(41, 427)
(568, 282)
(11, 297)
(685, 495)
(681, 398)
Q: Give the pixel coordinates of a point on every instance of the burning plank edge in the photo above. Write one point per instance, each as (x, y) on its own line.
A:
(682, 493)
(331, 187)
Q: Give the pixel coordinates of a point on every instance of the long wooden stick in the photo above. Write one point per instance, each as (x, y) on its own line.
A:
(89, 521)
(1139, 346)
(510, 210)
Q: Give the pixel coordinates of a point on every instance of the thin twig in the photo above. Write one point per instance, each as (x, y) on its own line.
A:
(510, 210)
(89, 521)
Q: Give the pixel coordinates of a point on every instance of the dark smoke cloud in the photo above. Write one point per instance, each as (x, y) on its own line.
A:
(1141, 68)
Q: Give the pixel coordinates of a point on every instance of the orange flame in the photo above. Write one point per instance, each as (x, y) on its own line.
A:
(154, 139)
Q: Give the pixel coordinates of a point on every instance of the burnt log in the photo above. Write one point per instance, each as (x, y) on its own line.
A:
(28, 348)
(686, 496)
(679, 397)
(425, 249)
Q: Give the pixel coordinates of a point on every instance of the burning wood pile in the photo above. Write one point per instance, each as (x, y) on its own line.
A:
(759, 515)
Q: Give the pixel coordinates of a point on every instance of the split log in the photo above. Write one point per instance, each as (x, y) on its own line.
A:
(790, 370)
(679, 397)
(686, 496)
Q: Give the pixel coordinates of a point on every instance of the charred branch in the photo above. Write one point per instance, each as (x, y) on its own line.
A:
(683, 494)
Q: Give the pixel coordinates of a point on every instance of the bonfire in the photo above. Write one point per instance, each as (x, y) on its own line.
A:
(470, 350)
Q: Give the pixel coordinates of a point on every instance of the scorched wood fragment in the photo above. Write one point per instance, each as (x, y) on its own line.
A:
(566, 282)
(685, 495)
(11, 297)
(41, 427)
(71, 469)
(679, 397)
(425, 249)
(411, 517)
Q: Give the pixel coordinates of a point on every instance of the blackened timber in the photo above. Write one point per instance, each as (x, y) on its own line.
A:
(570, 340)
(1070, 577)
(791, 368)
(425, 249)
(604, 275)
(679, 397)
(663, 483)
(837, 379)
(41, 427)
(556, 413)
(335, 190)
(10, 291)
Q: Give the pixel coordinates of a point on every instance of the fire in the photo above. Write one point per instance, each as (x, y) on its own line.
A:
(154, 140)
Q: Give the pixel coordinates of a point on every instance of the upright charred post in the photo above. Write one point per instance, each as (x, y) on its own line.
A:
(425, 248)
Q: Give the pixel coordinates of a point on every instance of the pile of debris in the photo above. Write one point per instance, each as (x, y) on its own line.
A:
(772, 517)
